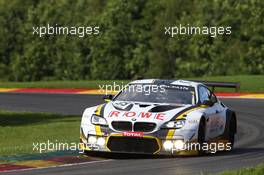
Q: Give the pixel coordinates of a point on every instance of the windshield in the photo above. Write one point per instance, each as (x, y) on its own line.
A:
(173, 94)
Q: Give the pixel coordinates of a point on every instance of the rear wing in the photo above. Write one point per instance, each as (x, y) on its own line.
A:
(214, 84)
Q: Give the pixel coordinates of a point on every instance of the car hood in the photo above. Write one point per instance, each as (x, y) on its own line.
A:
(157, 113)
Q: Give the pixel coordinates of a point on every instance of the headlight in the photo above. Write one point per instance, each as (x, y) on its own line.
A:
(92, 139)
(97, 120)
(174, 124)
(167, 145)
(179, 144)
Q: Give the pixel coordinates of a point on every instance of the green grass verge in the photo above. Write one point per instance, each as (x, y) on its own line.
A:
(249, 83)
(18, 131)
(258, 170)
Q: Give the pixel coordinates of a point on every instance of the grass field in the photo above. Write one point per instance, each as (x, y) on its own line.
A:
(249, 83)
(18, 131)
(258, 170)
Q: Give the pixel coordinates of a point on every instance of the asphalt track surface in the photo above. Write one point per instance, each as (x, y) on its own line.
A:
(249, 147)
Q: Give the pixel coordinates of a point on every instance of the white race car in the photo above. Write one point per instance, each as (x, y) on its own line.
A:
(154, 116)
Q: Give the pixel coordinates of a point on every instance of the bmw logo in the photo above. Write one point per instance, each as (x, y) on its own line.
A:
(133, 119)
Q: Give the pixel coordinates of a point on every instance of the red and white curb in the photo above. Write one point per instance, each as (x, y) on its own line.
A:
(62, 161)
(101, 92)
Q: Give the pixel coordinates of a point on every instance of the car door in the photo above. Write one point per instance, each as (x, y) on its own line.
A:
(220, 117)
(210, 112)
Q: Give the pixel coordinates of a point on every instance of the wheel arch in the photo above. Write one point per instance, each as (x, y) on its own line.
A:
(230, 115)
(235, 120)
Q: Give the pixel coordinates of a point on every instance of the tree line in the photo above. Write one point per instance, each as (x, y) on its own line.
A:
(131, 42)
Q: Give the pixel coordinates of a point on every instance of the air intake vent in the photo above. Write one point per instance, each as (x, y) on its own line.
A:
(133, 144)
(163, 108)
(122, 125)
(144, 126)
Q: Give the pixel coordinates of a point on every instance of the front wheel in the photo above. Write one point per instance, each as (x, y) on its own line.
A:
(232, 132)
(201, 135)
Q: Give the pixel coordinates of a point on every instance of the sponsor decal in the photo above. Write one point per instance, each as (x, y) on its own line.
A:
(193, 121)
(133, 134)
(132, 114)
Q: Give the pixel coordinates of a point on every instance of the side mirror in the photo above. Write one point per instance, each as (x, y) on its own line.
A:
(213, 99)
(108, 98)
(208, 103)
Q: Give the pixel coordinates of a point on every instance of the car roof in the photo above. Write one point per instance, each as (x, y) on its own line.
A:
(166, 82)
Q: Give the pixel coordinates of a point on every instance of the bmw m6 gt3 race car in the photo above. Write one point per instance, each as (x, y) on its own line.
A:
(154, 116)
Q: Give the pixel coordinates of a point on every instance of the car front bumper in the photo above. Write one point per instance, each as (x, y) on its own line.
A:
(162, 142)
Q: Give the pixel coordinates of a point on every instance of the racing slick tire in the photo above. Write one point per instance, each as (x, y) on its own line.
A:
(232, 132)
(201, 135)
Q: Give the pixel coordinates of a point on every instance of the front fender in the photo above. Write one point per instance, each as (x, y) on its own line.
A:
(86, 117)
(86, 120)
(193, 120)
(192, 124)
